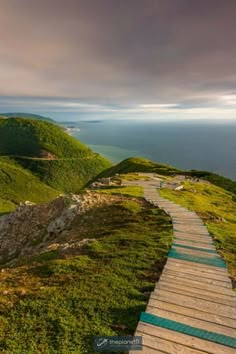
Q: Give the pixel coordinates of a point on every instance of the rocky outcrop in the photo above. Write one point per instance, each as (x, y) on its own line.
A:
(33, 228)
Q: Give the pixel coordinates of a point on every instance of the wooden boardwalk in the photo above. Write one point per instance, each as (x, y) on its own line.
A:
(193, 307)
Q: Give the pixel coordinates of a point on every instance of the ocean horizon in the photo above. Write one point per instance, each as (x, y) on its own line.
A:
(185, 145)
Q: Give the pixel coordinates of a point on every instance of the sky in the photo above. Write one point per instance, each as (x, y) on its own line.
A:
(119, 59)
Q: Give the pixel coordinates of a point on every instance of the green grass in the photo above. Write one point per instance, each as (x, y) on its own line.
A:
(137, 164)
(67, 175)
(6, 206)
(132, 206)
(38, 160)
(55, 305)
(133, 191)
(218, 210)
(27, 137)
(18, 185)
(26, 116)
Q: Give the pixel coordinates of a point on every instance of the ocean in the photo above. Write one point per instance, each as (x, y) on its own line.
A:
(185, 145)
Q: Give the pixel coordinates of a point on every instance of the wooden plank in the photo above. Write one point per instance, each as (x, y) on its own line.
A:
(166, 346)
(146, 350)
(214, 318)
(189, 301)
(198, 272)
(173, 274)
(188, 234)
(194, 244)
(185, 340)
(191, 230)
(198, 265)
(191, 321)
(198, 237)
(194, 237)
(190, 227)
(199, 285)
(197, 293)
(195, 252)
(184, 222)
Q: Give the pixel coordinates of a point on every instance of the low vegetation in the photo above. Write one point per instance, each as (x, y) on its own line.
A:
(66, 174)
(38, 161)
(137, 164)
(19, 185)
(217, 208)
(26, 116)
(28, 137)
(56, 304)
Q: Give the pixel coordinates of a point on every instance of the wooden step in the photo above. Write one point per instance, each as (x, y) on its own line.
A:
(198, 272)
(195, 252)
(199, 285)
(191, 321)
(189, 301)
(169, 274)
(183, 339)
(197, 293)
(198, 265)
(230, 324)
(194, 244)
(160, 345)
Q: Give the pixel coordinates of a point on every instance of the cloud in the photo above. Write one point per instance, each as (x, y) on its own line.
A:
(109, 55)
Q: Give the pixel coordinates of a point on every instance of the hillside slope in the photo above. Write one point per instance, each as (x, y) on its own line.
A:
(137, 164)
(93, 278)
(18, 185)
(26, 115)
(32, 138)
(41, 151)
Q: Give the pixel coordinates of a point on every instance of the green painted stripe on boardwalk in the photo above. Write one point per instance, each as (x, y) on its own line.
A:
(216, 262)
(189, 330)
(194, 248)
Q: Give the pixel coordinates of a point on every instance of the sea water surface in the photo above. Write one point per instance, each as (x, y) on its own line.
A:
(207, 146)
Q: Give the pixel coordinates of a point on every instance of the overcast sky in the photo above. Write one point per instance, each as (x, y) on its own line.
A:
(81, 59)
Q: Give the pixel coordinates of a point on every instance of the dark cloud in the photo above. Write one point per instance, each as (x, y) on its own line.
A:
(118, 52)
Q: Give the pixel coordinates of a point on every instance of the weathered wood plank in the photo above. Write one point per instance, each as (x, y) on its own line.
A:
(189, 301)
(194, 244)
(195, 252)
(197, 293)
(214, 318)
(185, 340)
(172, 274)
(199, 272)
(191, 321)
(166, 346)
(182, 263)
(198, 285)
(147, 350)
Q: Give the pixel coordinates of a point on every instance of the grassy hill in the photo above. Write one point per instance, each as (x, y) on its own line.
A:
(18, 185)
(137, 164)
(32, 138)
(26, 115)
(38, 160)
(56, 303)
